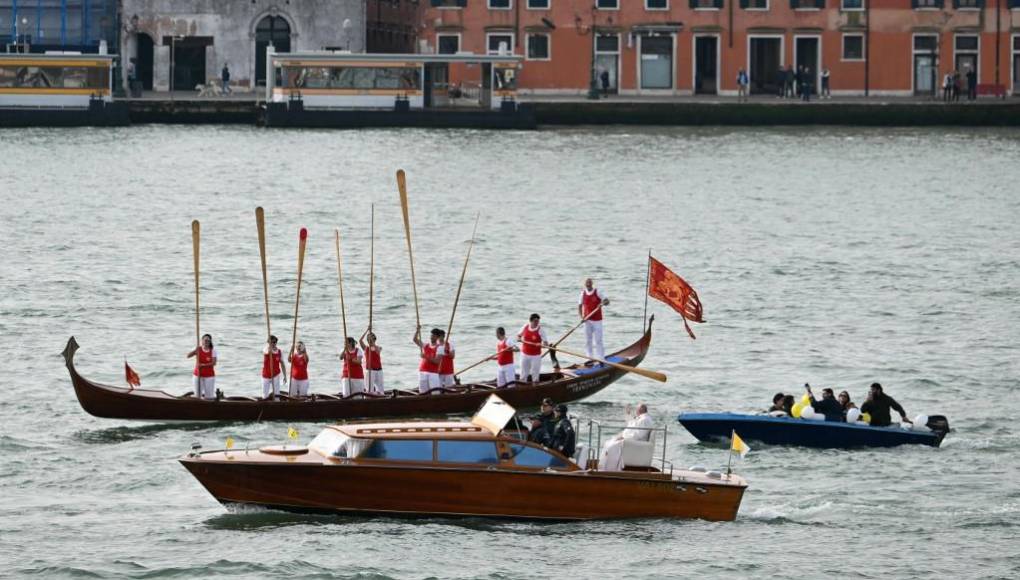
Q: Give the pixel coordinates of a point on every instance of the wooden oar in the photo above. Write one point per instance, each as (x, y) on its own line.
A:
(463, 273)
(303, 238)
(260, 221)
(371, 268)
(340, 285)
(465, 369)
(402, 187)
(643, 372)
(195, 243)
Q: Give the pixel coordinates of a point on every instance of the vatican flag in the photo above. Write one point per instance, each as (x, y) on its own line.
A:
(292, 432)
(738, 445)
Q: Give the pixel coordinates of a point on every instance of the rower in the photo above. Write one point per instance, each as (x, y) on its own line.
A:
(532, 338)
(273, 369)
(352, 377)
(638, 429)
(878, 404)
(299, 371)
(204, 379)
(446, 353)
(373, 360)
(428, 368)
(506, 373)
(589, 308)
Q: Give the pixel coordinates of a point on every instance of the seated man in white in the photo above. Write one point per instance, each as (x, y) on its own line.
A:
(637, 432)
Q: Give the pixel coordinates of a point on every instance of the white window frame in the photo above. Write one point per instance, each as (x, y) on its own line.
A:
(842, 48)
(527, 46)
(527, 6)
(672, 72)
(800, 8)
(460, 40)
(976, 53)
(650, 9)
(491, 34)
(615, 9)
(768, 5)
(843, 8)
(709, 8)
(718, 59)
(510, 6)
(617, 53)
(914, 52)
(447, 7)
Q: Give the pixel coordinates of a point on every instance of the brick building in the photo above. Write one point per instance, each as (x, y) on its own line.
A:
(882, 47)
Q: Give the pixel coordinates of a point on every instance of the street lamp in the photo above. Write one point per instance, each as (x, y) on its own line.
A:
(347, 25)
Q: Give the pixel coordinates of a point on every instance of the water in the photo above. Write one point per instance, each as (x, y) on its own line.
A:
(834, 256)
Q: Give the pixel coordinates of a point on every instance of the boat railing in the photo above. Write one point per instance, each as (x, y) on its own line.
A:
(595, 442)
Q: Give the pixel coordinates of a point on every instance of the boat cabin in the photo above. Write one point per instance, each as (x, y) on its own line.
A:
(66, 80)
(344, 80)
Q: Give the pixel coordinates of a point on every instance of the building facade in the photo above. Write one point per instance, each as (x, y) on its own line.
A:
(671, 47)
(64, 25)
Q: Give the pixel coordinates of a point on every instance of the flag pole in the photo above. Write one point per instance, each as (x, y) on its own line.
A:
(729, 458)
(648, 277)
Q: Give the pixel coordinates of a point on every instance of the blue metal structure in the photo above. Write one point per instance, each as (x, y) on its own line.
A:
(717, 427)
(73, 25)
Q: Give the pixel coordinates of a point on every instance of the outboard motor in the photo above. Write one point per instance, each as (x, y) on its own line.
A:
(940, 425)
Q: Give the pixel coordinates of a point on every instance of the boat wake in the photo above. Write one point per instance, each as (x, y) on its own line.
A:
(135, 433)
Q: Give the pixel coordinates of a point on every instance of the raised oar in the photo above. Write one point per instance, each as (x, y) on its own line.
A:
(195, 242)
(463, 273)
(340, 285)
(643, 372)
(575, 327)
(484, 360)
(303, 238)
(402, 186)
(371, 268)
(260, 221)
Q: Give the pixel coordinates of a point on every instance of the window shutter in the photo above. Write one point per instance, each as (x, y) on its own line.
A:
(745, 4)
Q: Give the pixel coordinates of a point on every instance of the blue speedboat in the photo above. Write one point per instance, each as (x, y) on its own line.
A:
(717, 427)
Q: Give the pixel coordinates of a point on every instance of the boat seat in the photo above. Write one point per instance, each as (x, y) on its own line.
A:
(580, 455)
(637, 453)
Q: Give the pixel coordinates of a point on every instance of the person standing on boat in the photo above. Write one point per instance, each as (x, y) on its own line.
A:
(352, 379)
(638, 429)
(204, 377)
(428, 368)
(299, 371)
(828, 406)
(563, 438)
(532, 338)
(506, 373)
(589, 308)
(373, 360)
(446, 353)
(273, 369)
(878, 405)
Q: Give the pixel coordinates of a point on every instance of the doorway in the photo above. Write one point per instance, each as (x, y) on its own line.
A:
(144, 60)
(1016, 74)
(706, 60)
(273, 30)
(656, 54)
(764, 61)
(607, 59)
(924, 74)
(966, 63)
(187, 62)
(806, 54)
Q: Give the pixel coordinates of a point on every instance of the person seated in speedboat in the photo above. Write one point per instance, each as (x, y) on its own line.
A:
(788, 402)
(845, 402)
(538, 433)
(778, 409)
(638, 429)
(878, 405)
(563, 437)
(828, 406)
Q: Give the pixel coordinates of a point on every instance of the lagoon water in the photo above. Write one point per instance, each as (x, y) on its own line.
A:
(831, 256)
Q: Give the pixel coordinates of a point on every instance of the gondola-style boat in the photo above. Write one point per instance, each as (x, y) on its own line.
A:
(570, 384)
(717, 427)
(456, 469)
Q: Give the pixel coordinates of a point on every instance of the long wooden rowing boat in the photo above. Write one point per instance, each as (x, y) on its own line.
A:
(570, 384)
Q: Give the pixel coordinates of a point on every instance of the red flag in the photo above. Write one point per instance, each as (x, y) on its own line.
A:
(132, 378)
(667, 287)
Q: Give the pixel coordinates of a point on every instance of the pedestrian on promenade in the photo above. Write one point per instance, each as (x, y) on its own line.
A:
(805, 84)
(604, 77)
(826, 93)
(971, 84)
(947, 87)
(225, 79)
(797, 79)
(789, 82)
(956, 86)
(742, 83)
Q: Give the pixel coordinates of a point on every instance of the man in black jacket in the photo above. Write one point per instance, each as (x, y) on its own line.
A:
(828, 406)
(563, 439)
(878, 404)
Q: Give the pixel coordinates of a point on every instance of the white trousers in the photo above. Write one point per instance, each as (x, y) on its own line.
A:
(205, 387)
(531, 367)
(271, 386)
(447, 380)
(298, 388)
(593, 339)
(505, 375)
(375, 381)
(428, 381)
(612, 455)
(349, 386)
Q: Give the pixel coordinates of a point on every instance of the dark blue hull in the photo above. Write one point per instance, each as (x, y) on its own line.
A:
(716, 427)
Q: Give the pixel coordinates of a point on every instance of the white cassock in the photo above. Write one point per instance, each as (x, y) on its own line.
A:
(612, 452)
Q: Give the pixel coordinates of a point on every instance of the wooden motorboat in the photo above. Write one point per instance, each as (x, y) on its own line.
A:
(717, 427)
(454, 469)
(570, 384)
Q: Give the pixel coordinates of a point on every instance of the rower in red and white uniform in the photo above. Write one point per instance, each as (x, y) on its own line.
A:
(273, 369)
(299, 371)
(373, 363)
(446, 353)
(204, 376)
(532, 338)
(428, 369)
(589, 308)
(353, 375)
(506, 373)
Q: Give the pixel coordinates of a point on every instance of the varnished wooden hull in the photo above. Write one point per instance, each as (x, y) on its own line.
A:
(154, 405)
(462, 492)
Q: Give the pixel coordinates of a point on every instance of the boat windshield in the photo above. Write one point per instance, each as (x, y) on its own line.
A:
(533, 457)
(333, 443)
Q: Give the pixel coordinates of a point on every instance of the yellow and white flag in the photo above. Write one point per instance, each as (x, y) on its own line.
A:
(738, 445)
(230, 442)
(292, 432)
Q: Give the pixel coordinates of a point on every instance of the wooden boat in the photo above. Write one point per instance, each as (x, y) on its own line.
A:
(717, 427)
(570, 384)
(454, 469)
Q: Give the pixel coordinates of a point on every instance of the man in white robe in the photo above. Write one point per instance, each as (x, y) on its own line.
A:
(637, 430)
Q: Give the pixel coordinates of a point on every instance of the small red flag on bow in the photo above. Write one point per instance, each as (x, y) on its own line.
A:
(132, 378)
(667, 287)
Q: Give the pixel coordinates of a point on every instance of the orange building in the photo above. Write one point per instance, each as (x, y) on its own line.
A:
(671, 47)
